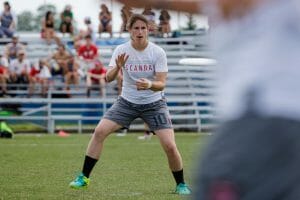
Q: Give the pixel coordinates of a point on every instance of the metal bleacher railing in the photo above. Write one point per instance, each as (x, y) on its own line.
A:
(189, 92)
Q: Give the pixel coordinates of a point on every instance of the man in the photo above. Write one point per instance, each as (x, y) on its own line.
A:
(12, 48)
(60, 58)
(141, 97)
(96, 77)
(19, 69)
(255, 152)
(88, 54)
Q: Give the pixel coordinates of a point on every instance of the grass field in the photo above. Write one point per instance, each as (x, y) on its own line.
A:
(41, 167)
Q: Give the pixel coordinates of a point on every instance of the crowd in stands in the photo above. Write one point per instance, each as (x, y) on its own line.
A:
(84, 64)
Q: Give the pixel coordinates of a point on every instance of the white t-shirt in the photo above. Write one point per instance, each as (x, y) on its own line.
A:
(259, 59)
(140, 64)
(45, 73)
(4, 62)
(20, 67)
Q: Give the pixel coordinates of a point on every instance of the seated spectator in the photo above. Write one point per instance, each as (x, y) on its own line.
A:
(79, 39)
(88, 54)
(60, 60)
(126, 13)
(12, 48)
(48, 31)
(72, 75)
(39, 74)
(105, 20)
(96, 77)
(8, 21)
(164, 23)
(66, 25)
(19, 69)
(4, 76)
(150, 16)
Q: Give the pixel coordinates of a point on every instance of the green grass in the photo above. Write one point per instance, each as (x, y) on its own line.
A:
(41, 167)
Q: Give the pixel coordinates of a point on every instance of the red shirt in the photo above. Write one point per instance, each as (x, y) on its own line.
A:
(2, 70)
(97, 72)
(88, 53)
(34, 72)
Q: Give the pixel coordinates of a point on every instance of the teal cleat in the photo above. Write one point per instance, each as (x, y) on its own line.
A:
(183, 189)
(80, 182)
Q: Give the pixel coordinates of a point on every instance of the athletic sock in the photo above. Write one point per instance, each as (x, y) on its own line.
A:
(147, 132)
(88, 165)
(178, 175)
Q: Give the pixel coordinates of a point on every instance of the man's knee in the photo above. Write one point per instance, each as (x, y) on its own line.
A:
(101, 133)
(170, 148)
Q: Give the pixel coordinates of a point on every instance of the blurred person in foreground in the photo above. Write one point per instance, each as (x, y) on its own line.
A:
(254, 154)
(145, 71)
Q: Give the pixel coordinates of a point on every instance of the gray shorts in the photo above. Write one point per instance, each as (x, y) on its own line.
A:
(156, 115)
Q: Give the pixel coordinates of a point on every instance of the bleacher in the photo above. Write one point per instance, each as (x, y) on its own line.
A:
(189, 90)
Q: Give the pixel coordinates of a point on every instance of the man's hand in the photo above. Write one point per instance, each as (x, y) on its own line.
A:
(121, 60)
(143, 84)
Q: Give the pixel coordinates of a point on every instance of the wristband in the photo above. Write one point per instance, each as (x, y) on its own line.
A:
(149, 84)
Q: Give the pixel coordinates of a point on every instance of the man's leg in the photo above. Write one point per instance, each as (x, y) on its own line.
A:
(94, 149)
(167, 141)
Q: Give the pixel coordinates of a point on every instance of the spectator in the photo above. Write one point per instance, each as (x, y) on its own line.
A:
(96, 76)
(72, 75)
(19, 69)
(150, 16)
(89, 28)
(79, 39)
(4, 76)
(164, 23)
(12, 48)
(40, 74)
(105, 20)
(59, 66)
(8, 21)
(126, 13)
(88, 54)
(48, 31)
(66, 25)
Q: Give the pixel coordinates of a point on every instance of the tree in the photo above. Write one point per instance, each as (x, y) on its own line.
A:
(26, 21)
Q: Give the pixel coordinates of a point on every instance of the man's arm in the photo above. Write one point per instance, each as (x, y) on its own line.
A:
(157, 85)
(190, 6)
(112, 73)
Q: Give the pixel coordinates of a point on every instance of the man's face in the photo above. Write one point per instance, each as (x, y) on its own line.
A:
(21, 56)
(139, 31)
(88, 41)
(14, 40)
